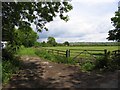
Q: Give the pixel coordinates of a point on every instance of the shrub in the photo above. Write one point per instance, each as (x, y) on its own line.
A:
(108, 62)
(101, 62)
(7, 54)
(87, 66)
(114, 63)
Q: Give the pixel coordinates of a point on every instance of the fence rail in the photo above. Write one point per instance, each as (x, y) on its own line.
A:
(116, 52)
(57, 52)
(75, 52)
(84, 50)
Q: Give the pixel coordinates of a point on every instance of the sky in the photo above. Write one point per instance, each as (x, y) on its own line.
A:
(90, 21)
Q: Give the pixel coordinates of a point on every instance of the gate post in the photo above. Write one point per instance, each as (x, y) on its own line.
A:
(105, 52)
(67, 53)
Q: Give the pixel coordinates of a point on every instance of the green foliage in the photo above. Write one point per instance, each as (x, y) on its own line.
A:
(26, 13)
(115, 33)
(60, 44)
(37, 44)
(22, 14)
(66, 43)
(8, 52)
(108, 62)
(114, 62)
(51, 41)
(87, 66)
(26, 51)
(43, 44)
(26, 37)
(8, 68)
(101, 62)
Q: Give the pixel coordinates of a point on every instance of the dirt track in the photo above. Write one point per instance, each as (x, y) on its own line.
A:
(38, 73)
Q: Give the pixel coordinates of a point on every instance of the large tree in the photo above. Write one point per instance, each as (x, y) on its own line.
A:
(115, 33)
(66, 43)
(26, 37)
(52, 41)
(22, 14)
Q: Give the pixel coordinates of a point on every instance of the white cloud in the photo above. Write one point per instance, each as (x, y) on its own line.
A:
(87, 23)
(94, 1)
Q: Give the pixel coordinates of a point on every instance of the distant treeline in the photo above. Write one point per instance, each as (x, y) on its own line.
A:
(46, 44)
(52, 42)
(94, 44)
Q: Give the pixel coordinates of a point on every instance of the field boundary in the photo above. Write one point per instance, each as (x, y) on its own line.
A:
(68, 52)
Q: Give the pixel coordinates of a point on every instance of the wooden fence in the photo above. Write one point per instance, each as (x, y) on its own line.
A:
(116, 52)
(65, 53)
(92, 52)
(69, 52)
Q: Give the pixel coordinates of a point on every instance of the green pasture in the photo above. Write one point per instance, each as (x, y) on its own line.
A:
(110, 48)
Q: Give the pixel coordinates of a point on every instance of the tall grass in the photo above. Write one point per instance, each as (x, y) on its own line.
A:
(9, 67)
(53, 57)
(26, 51)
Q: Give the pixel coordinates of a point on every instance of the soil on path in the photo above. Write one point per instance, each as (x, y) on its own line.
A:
(38, 73)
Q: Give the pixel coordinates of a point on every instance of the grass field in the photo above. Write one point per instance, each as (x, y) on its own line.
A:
(109, 48)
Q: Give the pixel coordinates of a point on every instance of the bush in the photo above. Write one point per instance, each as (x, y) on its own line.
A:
(114, 63)
(87, 66)
(100, 63)
(7, 54)
(103, 62)
(108, 62)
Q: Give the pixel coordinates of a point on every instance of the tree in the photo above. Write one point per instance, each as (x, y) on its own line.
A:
(26, 37)
(66, 43)
(43, 44)
(22, 14)
(37, 44)
(51, 41)
(115, 33)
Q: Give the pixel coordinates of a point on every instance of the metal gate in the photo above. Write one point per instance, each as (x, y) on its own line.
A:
(84, 56)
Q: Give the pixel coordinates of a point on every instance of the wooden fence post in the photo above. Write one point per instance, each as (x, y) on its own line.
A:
(58, 52)
(67, 53)
(105, 51)
(115, 52)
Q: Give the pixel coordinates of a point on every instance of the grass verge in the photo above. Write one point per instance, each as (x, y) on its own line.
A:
(26, 51)
(9, 67)
(54, 58)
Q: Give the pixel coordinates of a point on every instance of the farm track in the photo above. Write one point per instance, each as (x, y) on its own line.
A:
(38, 73)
